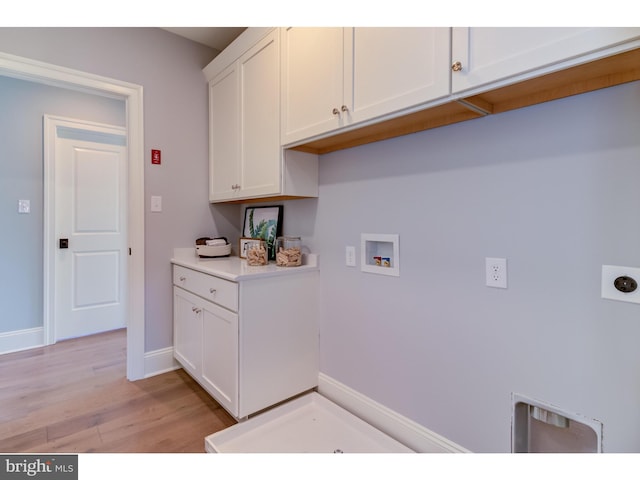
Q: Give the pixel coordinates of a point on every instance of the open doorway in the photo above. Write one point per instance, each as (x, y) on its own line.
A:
(39, 72)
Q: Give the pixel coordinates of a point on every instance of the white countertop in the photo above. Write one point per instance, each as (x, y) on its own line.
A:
(236, 268)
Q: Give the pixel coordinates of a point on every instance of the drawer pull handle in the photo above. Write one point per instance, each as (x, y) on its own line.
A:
(212, 290)
(195, 309)
(182, 279)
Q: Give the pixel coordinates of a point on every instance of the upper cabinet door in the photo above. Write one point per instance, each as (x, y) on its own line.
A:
(312, 81)
(260, 155)
(390, 69)
(483, 55)
(224, 134)
(338, 77)
(244, 102)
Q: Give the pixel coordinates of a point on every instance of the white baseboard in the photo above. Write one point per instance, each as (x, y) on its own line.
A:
(21, 340)
(155, 363)
(406, 431)
(159, 361)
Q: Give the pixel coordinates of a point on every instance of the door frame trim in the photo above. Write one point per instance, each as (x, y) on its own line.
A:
(53, 75)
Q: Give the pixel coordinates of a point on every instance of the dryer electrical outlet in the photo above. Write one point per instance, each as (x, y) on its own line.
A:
(612, 287)
(496, 272)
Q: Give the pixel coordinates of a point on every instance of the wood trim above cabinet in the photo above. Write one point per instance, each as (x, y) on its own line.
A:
(274, 198)
(606, 72)
(587, 77)
(433, 117)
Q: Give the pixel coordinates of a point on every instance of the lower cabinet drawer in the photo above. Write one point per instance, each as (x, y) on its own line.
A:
(217, 290)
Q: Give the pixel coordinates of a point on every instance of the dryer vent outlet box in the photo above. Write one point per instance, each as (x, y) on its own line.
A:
(541, 428)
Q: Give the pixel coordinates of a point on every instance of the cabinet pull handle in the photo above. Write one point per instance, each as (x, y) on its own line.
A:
(335, 111)
(212, 290)
(235, 187)
(344, 108)
(456, 67)
(182, 279)
(195, 309)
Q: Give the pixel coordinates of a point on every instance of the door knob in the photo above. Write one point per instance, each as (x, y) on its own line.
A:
(64, 243)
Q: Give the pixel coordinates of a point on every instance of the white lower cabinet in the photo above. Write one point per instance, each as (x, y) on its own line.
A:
(187, 331)
(220, 354)
(206, 345)
(253, 355)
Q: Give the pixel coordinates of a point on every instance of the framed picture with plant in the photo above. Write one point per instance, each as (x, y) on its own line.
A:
(264, 223)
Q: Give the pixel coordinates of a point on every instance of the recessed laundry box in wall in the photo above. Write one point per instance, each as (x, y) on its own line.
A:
(380, 253)
(539, 427)
(308, 424)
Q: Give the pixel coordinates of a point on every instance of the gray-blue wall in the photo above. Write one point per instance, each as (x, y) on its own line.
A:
(554, 189)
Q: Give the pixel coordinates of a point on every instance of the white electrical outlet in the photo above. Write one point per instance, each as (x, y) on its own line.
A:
(350, 256)
(496, 272)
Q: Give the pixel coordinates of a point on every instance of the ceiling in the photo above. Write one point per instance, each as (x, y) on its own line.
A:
(214, 37)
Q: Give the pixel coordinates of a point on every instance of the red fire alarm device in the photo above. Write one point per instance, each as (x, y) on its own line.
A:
(155, 157)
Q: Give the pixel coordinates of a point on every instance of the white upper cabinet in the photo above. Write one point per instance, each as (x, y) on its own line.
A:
(390, 69)
(281, 97)
(246, 160)
(244, 106)
(312, 81)
(338, 77)
(260, 110)
(486, 55)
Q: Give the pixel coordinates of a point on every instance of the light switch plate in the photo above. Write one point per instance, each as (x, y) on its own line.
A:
(156, 204)
(609, 291)
(24, 206)
(350, 256)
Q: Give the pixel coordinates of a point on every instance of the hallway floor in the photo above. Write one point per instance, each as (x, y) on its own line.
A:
(73, 397)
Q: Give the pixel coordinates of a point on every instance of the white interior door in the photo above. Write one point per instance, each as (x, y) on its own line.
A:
(90, 260)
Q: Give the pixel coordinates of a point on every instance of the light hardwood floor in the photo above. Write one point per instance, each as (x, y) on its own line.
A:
(73, 397)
